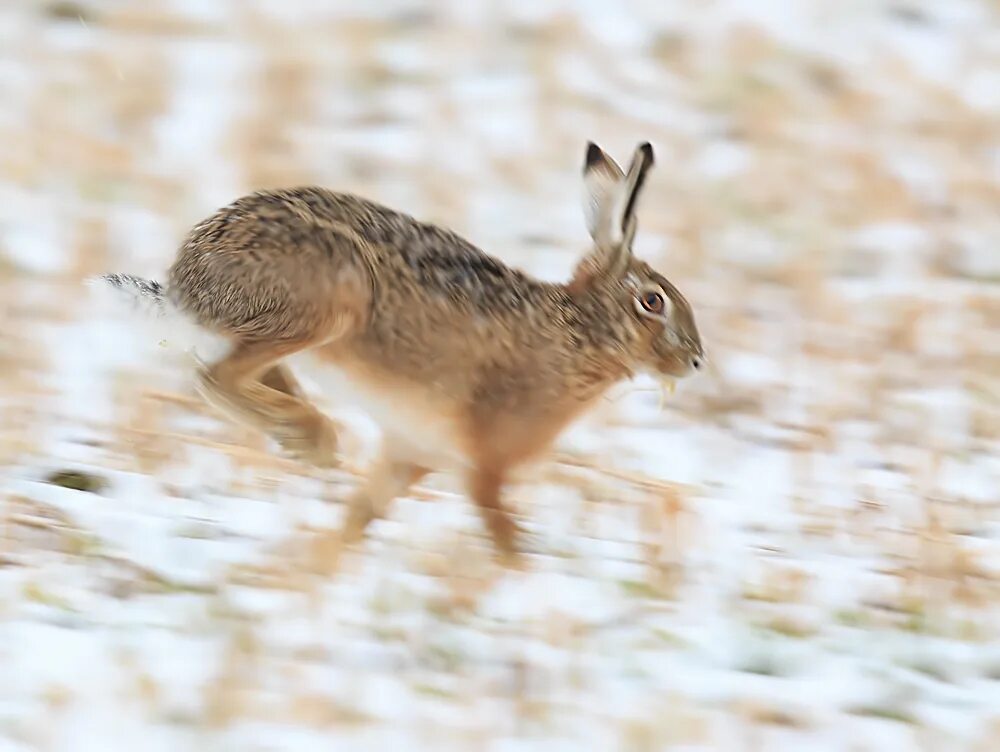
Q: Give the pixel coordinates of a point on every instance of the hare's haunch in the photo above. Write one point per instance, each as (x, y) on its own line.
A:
(462, 360)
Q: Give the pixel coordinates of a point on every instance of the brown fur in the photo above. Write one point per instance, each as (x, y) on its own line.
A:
(414, 311)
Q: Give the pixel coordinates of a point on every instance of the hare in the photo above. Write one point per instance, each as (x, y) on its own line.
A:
(463, 361)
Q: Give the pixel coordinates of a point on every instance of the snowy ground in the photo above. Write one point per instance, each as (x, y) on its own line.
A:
(802, 551)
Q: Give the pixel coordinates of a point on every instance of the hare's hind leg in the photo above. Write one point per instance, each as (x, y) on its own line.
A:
(252, 388)
(280, 377)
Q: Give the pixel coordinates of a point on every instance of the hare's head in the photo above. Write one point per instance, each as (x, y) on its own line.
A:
(666, 340)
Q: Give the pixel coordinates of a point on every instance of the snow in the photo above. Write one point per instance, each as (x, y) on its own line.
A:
(799, 551)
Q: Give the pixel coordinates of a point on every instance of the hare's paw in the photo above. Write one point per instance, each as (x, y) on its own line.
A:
(324, 553)
(313, 439)
(360, 514)
(506, 535)
(512, 559)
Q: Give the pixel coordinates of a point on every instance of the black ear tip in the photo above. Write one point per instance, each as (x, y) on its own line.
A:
(594, 154)
(647, 152)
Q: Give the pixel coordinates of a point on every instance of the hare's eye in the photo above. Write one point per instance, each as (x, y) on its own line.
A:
(652, 302)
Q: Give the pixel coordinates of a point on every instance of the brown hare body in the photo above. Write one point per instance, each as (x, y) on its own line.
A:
(463, 361)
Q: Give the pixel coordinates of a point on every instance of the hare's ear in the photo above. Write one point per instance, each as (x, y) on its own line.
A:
(609, 205)
(603, 180)
(642, 160)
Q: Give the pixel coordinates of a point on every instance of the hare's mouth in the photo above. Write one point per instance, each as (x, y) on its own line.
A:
(668, 385)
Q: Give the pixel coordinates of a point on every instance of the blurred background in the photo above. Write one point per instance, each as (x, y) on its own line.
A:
(800, 550)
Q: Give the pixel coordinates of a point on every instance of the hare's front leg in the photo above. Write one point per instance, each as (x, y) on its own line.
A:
(485, 488)
(250, 387)
(388, 478)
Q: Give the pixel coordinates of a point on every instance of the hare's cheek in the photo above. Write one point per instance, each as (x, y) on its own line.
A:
(657, 348)
(651, 338)
(670, 338)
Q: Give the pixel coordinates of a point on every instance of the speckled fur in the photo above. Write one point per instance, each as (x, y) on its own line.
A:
(414, 312)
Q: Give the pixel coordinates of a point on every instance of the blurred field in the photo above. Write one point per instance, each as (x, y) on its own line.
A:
(801, 551)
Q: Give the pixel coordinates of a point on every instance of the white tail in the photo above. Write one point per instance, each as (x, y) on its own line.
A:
(142, 295)
(172, 327)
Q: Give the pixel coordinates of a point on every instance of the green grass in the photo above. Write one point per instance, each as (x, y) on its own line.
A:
(884, 711)
(77, 481)
(35, 593)
(850, 617)
(641, 589)
(762, 665)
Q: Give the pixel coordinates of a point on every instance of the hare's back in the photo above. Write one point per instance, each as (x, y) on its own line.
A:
(274, 256)
(435, 260)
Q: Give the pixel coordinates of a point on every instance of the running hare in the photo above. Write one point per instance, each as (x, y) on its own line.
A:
(462, 360)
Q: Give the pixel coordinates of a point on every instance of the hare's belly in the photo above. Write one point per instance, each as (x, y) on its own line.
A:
(425, 429)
